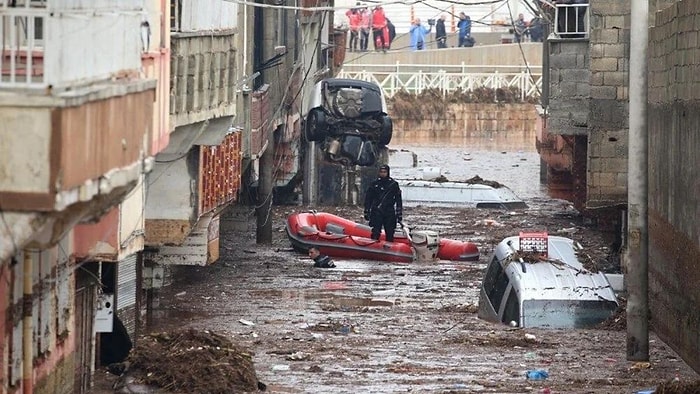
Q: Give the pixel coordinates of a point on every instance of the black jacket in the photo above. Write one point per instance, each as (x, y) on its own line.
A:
(440, 29)
(384, 197)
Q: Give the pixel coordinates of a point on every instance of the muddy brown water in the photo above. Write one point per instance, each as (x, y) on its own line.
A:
(377, 327)
(511, 160)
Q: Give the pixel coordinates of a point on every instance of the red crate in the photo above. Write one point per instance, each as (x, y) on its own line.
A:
(534, 242)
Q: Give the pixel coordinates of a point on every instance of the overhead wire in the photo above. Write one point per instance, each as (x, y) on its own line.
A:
(522, 52)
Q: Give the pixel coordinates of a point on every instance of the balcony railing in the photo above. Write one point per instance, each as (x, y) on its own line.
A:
(44, 46)
(572, 20)
(22, 60)
(451, 78)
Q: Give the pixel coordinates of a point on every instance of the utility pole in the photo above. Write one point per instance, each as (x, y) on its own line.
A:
(310, 191)
(263, 208)
(637, 256)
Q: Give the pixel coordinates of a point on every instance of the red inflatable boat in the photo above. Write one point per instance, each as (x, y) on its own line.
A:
(339, 237)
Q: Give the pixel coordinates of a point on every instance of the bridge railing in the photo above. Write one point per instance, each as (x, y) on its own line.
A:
(447, 78)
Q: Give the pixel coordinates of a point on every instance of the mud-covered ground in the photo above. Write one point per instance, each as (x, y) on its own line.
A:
(377, 327)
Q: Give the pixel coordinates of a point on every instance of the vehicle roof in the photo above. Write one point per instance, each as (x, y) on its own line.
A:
(347, 82)
(560, 277)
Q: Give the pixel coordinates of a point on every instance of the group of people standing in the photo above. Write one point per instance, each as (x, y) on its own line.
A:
(363, 22)
(464, 31)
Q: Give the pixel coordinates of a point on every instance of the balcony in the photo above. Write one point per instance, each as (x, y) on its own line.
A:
(55, 45)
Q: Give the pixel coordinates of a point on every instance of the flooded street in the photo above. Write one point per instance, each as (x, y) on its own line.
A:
(379, 327)
(512, 161)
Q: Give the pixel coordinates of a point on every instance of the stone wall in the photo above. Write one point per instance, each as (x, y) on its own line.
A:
(569, 87)
(674, 178)
(469, 120)
(202, 77)
(607, 121)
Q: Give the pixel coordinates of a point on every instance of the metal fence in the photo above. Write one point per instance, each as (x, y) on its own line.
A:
(415, 79)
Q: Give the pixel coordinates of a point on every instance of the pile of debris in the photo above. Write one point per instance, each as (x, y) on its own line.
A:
(192, 361)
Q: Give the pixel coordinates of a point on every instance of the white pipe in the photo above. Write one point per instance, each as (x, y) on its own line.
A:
(27, 327)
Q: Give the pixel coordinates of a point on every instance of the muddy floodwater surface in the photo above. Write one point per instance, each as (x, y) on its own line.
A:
(512, 161)
(378, 327)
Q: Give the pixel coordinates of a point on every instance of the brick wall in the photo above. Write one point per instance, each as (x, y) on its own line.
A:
(674, 178)
(608, 108)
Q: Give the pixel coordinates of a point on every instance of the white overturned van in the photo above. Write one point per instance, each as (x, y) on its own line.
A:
(537, 280)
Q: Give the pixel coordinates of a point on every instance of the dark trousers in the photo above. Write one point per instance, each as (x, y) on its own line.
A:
(442, 42)
(377, 221)
(364, 39)
(353, 40)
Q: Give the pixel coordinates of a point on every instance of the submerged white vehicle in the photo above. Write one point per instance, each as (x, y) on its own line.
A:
(348, 118)
(537, 280)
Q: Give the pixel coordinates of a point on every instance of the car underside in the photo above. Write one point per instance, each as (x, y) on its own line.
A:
(349, 121)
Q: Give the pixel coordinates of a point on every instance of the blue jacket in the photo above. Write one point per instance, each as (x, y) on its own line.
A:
(465, 27)
(418, 34)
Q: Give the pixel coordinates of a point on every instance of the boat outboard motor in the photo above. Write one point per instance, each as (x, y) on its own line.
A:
(426, 243)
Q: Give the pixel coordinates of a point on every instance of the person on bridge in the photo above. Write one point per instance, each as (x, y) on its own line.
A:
(383, 204)
(520, 28)
(465, 30)
(418, 34)
(441, 32)
(381, 33)
(365, 28)
(354, 19)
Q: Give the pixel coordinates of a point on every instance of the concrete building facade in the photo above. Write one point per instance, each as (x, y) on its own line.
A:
(674, 178)
(585, 143)
(76, 139)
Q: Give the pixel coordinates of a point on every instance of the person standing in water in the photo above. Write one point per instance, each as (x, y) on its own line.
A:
(383, 205)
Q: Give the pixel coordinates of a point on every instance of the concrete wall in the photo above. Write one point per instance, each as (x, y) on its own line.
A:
(569, 87)
(202, 77)
(501, 55)
(469, 120)
(609, 66)
(61, 380)
(674, 178)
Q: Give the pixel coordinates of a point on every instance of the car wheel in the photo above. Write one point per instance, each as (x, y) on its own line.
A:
(315, 129)
(385, 133)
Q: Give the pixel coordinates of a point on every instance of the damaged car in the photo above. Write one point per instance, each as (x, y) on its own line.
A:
(348, 120)
(537, 280)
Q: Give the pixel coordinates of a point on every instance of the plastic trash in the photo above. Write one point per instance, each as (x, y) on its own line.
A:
(650, 391)
(537, 374)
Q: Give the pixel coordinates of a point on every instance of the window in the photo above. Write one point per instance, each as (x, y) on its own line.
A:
(571, 20)
(175, 14)
(495, 283)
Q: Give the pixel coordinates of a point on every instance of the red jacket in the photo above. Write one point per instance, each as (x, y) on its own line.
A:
(378, 18)
(354, 18)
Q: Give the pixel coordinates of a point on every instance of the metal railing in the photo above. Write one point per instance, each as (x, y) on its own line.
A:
(447, 79)
(572, 20)
(59, 47)
(21, 59)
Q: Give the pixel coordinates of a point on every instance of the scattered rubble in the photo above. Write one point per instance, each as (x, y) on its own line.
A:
(192, 361)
